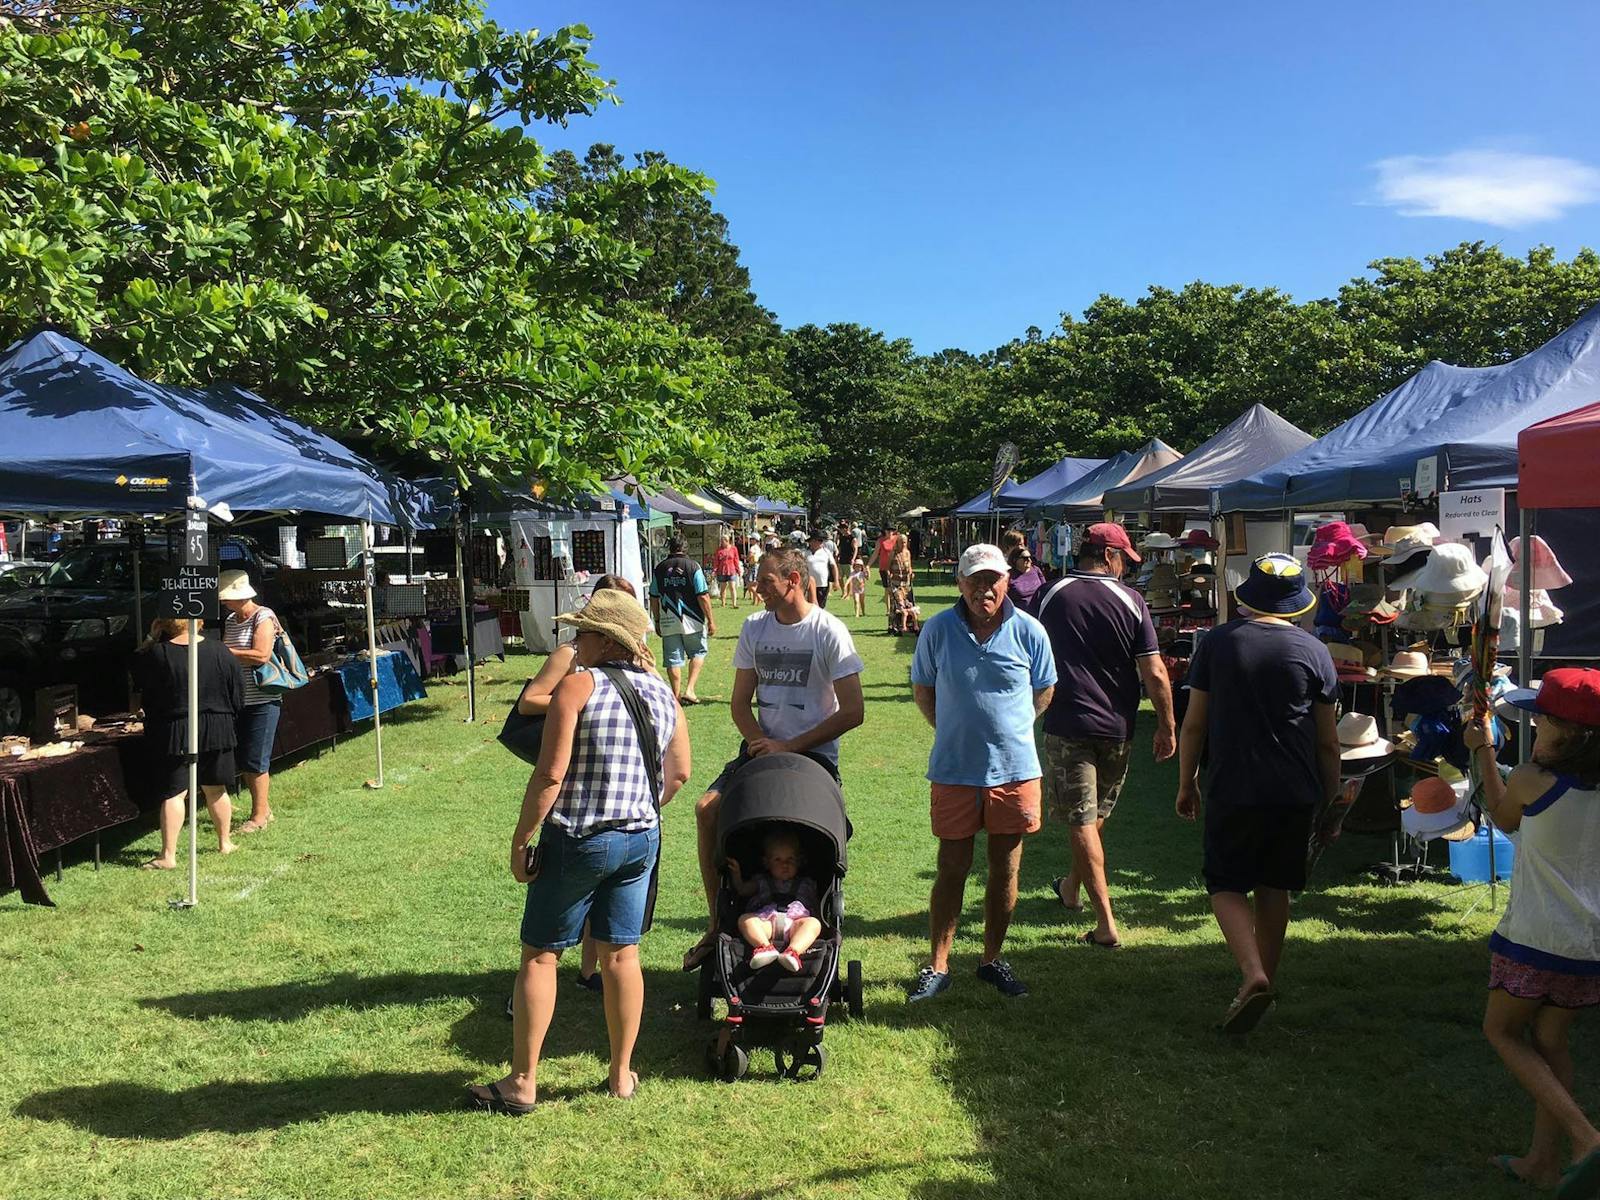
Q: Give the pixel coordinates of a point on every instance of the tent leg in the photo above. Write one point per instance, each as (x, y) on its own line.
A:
(372, 650)
(470, 618)
(1524, 634)
(461, 583)
(136, 543)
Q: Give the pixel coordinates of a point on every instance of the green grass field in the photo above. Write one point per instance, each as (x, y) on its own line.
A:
(307, 1031)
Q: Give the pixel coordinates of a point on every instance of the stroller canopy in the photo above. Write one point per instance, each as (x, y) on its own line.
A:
(789, 788)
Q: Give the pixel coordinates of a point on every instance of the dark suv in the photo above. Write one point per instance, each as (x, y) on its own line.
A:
(75, 623)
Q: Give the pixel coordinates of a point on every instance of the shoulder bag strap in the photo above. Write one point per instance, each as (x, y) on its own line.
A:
(643, 726)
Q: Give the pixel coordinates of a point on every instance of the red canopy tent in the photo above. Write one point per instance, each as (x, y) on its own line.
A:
(1556, 461)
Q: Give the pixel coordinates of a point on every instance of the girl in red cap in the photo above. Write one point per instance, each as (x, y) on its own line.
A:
(1545, 954)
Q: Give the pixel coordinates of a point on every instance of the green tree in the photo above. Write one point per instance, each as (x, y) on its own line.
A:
(331, 203)
(858, 416)
(691, 271)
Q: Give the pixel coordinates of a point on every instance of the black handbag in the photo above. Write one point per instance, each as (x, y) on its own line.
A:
(521, 734)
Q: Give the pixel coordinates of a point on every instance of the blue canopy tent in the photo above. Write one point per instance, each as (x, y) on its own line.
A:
(978, 506)
(1109, 473)
(1254, 440)
(1467, 418)
(1047, 482)
(85, 436)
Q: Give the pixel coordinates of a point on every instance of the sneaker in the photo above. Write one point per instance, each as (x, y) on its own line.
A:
(928, 985)
(790, 961)
(591, 983)
(763, 956)
(999, 973)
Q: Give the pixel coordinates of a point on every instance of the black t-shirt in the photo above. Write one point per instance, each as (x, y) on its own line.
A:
(1263, 680)
(1099, 628)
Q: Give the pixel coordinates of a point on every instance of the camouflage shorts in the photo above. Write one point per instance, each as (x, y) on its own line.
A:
(1083, 777)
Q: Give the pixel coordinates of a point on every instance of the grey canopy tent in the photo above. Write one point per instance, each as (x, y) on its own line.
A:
(1255, 439)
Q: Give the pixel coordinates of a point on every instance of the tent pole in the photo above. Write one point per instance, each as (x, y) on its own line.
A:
(461, 586)
(192, 720)
(372, 645)
(136, 543)
(469, 617)
(1524, 634)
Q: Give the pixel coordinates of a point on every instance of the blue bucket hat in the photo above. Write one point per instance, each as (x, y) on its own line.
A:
(1276, 587)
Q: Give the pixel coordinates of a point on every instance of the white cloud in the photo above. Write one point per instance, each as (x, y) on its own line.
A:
(1497, 187)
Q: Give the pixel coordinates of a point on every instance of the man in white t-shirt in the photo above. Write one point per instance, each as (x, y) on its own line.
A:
(823, 565)
(796, 688)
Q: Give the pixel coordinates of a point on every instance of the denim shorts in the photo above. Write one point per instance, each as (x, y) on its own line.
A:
(256, 731)
(603, 879)
(679, 648)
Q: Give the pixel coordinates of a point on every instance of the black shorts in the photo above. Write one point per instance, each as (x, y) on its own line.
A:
(217, 769)
(720, 783)
(1257, 846)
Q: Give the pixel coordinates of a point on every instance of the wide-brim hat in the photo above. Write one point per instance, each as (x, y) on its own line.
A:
(1453, 825)
(1158, 541)
(1359, 740)
(1410, 553)
(614, 614)
(1426, 532)
(1408, 664)
(1546, 569)
(234, 585)
(1451, 575)
(1542, 611)
(1198, 539)
(1276, 587)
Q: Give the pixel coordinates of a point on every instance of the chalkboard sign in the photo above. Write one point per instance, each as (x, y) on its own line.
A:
(189, 593)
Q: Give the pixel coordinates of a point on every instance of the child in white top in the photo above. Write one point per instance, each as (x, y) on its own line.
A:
(1544, 962)
(857, 586)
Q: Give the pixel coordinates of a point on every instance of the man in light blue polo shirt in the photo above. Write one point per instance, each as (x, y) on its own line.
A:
(982, 674)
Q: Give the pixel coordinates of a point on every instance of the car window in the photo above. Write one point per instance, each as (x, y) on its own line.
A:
(87, 568)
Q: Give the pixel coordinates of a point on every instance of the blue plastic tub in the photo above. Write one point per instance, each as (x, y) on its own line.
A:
(1470, 859)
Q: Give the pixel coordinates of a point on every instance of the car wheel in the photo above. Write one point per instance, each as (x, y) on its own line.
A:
(13, 705)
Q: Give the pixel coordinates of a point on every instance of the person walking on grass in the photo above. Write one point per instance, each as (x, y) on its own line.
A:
(1106, 655)
(1261, 708)
(1544, 962)
(680, 602)
(796, 689)
(981, 675)
(823, 565)
(594, 799)
(725, 566)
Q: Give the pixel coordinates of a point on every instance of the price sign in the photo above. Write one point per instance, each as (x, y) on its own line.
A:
(196, 543)
(1480, 511)
(1427, 476)
(189, 593)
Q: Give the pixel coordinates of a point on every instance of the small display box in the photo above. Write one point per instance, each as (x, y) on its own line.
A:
(55, 712)
(403, 600)
(326, 554)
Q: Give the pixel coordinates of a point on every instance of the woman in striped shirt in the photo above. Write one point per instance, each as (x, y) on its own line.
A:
(592, 796)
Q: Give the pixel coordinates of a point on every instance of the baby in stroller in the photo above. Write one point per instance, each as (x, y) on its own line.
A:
(781, 833)
(904, 615)
(782, 912)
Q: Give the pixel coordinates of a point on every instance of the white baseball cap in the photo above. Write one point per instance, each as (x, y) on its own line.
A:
(983, 557)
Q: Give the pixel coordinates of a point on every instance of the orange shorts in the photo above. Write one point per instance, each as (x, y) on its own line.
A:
(960, 811)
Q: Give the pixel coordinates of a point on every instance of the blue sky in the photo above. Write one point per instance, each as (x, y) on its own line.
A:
(954, 173)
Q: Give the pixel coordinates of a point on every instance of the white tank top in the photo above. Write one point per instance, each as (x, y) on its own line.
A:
(1555, 882)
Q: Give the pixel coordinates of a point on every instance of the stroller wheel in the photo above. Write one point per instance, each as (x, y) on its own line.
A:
(854, 1004)
(728, 1063)
(801, 1064)
(706, 985)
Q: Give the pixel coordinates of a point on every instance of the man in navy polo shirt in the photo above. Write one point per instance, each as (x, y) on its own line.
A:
(982, 674)
(1106, 654)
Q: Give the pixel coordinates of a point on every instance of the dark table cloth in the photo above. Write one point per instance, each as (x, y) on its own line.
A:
(47, 803)
(311, 714)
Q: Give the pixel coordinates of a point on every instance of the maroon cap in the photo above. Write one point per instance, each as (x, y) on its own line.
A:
(1572, 694)
(1113, 536)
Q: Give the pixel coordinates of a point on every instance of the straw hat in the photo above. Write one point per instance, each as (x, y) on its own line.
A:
(1159, 541)
(1408, 664)
(616, 615)
(1359, 740)
(1350, 662)
(1427, 533)
(234, 585)
(1436, 809)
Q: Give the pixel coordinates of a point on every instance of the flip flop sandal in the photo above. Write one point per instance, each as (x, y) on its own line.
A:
(1091, 940)
(496, 1103)
(688, 701)
(1245, 1013)
(1055, 886)
(604, 1087)
(254, 826)
(699, 952)
(153, 865)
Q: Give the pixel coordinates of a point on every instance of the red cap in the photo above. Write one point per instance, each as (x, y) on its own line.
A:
(1114, 536)
(1572, 694)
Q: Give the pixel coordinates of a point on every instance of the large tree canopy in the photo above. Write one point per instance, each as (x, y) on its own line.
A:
(333, 203)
